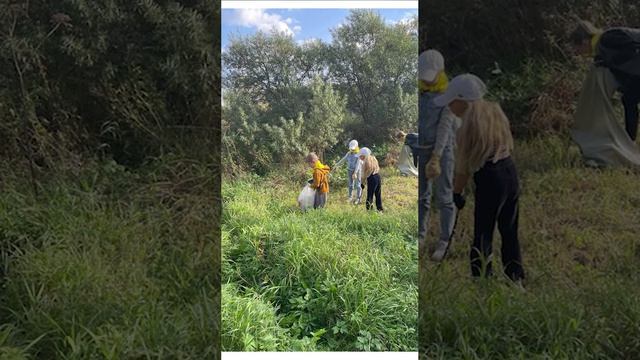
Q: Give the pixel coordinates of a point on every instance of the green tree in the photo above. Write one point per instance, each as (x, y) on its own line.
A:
(272, 68)
(326, 116)
(283, 98)
(370, 61)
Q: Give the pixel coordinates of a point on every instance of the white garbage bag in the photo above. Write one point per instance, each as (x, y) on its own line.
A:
(405, 162)
(306, 198)
(602, 139)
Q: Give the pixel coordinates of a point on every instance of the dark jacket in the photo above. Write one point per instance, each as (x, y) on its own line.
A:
(618, 49)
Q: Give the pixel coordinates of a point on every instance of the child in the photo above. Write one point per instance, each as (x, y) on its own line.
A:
(436, 133)
(370, 172)
(320, 181)
(484, 145)
(353, 171)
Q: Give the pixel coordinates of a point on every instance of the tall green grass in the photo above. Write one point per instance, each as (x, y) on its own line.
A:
(109, 264)
(581, 252)
(336, 279)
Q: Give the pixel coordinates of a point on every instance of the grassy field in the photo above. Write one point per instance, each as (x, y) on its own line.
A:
(344, 279)
(335, 279)
(579, 235)
(108, 264)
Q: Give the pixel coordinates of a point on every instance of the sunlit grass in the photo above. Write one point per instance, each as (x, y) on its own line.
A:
(340, 278)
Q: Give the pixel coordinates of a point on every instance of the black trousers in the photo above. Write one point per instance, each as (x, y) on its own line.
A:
(630, 89)
(497, 193)
(374, 187)
(630, 102)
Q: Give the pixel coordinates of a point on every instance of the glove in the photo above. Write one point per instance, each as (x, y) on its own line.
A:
(362, 186)
(459, 200)
(310, 181)
(433, 167)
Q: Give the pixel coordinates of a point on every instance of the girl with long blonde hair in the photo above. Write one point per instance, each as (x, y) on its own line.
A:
(484, 146)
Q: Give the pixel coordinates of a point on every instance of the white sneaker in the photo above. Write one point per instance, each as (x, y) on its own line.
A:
(349, 200)
(440, 251)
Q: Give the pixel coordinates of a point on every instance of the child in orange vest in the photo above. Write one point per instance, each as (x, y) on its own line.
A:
(320, 182)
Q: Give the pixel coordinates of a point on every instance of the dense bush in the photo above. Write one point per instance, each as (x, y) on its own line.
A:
(124, 79)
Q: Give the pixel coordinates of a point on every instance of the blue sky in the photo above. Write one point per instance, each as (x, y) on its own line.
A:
(303, 24)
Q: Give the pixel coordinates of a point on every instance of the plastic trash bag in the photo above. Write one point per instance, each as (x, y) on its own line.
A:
(602, 139)
(405, 165)
(306, 198)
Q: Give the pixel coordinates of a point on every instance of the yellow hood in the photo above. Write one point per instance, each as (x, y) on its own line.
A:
(323, 168)
(594, 43)
(440, 85)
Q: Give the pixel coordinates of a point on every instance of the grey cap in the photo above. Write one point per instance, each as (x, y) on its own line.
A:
(467, 87)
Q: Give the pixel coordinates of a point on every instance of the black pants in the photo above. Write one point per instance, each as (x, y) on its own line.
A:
(497, 192)
(630, 103)
(374, 187)
(630, 89)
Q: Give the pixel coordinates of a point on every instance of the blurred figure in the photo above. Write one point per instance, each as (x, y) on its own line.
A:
(484, 146)
(320, 181)
(354, 170)
(436, 133)
(371, 172)
(618, 50)
(408, 159)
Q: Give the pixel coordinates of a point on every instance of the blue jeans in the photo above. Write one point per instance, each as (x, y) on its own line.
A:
(354, 184)
(443, 195)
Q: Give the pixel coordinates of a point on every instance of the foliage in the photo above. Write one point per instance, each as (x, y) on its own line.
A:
(374, 65)
(533, 71)
(342, 276)
(110, 264)
(123, 78)
(361, 85)
(254, 140)
(326, 117)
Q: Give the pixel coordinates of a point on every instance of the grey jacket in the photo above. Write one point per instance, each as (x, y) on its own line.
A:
(436, 125)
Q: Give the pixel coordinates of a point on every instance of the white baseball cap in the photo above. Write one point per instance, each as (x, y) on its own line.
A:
(353, 144)
(430, 63)
(466, 87)
(364, 151)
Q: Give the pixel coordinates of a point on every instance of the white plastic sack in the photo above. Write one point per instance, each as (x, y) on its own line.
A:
(306, 198)
(596, 129)
(405, 162)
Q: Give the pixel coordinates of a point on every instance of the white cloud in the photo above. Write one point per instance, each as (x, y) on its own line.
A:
(263, 21)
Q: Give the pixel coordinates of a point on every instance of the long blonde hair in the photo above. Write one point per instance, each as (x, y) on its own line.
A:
(484, 134)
